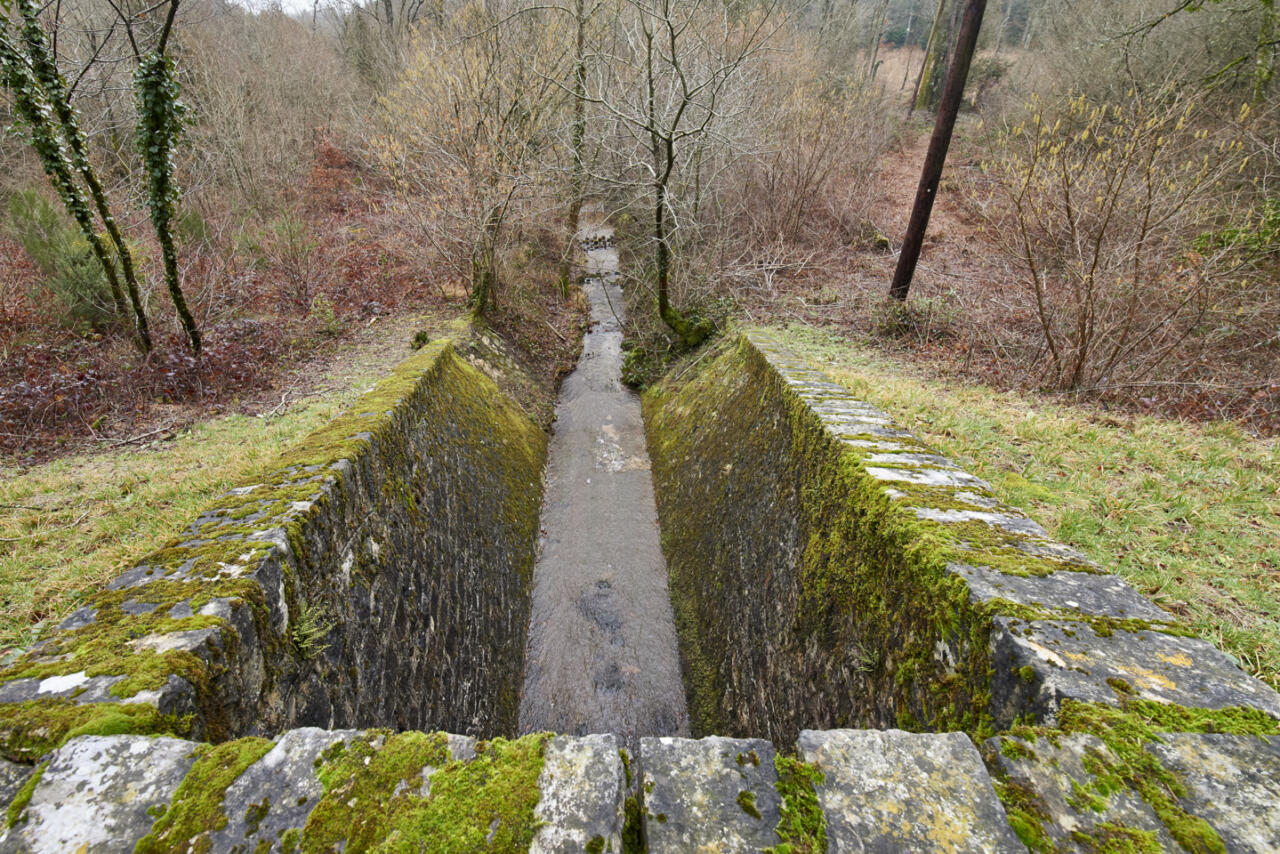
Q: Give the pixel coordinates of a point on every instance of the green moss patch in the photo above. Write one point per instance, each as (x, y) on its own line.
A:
(802, 826)
(30, 729)
(19, 803)
(197, 804)
(373, 797)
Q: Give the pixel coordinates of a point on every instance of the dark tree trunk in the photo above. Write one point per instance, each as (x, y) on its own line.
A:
(934, 160)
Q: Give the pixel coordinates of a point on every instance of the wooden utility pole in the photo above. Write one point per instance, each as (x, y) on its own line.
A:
(952, 94)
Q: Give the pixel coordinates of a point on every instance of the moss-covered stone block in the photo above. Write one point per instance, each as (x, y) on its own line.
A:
(313, 790)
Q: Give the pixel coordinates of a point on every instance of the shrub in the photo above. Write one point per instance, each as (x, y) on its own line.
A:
(64, 258)
(1099, 205)
(922, 319)
(291, 249)
(1256, 235)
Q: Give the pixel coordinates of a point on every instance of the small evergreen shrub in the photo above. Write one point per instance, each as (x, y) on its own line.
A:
(64, 258)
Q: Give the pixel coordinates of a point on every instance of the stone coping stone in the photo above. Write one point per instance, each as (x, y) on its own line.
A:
(891, 791)
(12, 778)
(1071, 593)
(1055, 774)
(278, 792)
(98, 794)
(583, 786)
(708, 794)
(1038, 663)
(102, 793)
(1231, 781)
(881, 791)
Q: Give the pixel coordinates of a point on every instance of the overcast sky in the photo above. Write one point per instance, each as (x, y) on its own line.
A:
(289, 6)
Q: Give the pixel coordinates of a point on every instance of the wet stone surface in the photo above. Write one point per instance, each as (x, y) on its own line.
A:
(601, 653)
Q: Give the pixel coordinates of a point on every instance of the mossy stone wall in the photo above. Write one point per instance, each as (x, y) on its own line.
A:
(828, 569)
(378, 577)
(746, 482)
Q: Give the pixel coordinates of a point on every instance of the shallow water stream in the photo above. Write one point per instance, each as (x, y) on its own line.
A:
(601, 653)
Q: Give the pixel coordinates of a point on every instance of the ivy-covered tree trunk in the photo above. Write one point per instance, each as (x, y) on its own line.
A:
(43, 102)
(44, 139)
(929, 87)
(159, 124)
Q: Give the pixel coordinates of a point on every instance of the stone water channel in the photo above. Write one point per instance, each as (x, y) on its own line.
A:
(415, 529)
(602, 654)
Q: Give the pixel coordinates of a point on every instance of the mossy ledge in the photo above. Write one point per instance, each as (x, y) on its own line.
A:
(828, 569)
(290, 600)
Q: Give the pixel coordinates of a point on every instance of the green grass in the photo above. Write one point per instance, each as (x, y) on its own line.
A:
(1189, 514)
(69, 526)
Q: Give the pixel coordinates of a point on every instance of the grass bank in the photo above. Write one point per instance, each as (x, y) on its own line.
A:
(1188, 514)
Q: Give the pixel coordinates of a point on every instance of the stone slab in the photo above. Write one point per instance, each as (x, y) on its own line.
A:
(1231, 781)
(277, 793)
(98, 794)
(1083, 592)
(1054, 774)
(893, 791)
(12, 778)
(700, 794)
(1040, 663)
(583, 787)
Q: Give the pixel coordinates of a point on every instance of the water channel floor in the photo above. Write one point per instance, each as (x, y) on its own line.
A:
(601, 654)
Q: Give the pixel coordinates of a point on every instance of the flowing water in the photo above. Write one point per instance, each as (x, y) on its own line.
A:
(601, 654)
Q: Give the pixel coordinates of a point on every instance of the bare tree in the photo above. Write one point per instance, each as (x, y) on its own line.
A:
(471, 131)
(675, 90)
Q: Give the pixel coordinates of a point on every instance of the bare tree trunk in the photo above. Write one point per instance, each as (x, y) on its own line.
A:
(1004, 24)
(877, 36)
(484, 273)
(662, 256)
(577, 141)
(906, 44)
